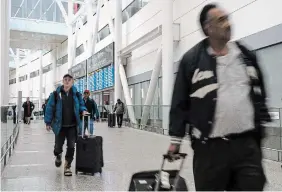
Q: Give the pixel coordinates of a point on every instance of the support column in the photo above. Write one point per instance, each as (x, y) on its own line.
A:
(40, 78)
(54, 66)
(127, 95)
(167, 60)
(152, 89)
(30, 84)
(4, 50)
(118, 42)
(74, 43)
(70, 34)
(96, 27)
(17, 62)
(110, 18)
(19, 106)
(89, 26)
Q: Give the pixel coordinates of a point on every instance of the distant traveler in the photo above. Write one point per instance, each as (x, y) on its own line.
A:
(219, 91)
(44, 107)
(28, 108)
(63, 114)
(119, 110)
(92, 108)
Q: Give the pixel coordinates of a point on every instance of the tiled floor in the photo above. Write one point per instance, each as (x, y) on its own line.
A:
(126, 151)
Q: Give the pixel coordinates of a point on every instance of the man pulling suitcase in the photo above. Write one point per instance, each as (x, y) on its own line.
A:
(63, 116)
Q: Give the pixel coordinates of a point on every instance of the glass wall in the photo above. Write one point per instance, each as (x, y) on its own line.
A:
(103, 33)
(132, 9)
(38, 9)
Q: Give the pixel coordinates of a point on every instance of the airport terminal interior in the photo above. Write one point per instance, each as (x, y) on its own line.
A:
(118, 49)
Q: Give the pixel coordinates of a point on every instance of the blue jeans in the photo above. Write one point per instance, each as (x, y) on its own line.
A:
(91, 128)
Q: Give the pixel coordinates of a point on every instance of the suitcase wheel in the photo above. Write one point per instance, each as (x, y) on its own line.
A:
(100, 171)
(93, 174)
(76, 172)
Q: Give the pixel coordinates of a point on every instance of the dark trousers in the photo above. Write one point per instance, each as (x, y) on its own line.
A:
(119, 119)
(234, 164)
(69, 133)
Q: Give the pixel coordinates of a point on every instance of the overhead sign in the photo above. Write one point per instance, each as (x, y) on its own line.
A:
(101, 59)
(79, 70)
(274, 115)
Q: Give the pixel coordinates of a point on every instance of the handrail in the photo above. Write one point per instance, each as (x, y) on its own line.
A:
(8, 145)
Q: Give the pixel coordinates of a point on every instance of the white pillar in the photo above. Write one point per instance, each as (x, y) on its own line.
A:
(54, 66)
(167, 60)
(17, 62)
(19, 106)
(30, 83)
(96, 27)
(4, 50)
(110, 18)
(127, 95)
(74, 44)
(70, 34)
(118, 42)
(40, 78)
(152, 88)
(70, 47)
(89, 9)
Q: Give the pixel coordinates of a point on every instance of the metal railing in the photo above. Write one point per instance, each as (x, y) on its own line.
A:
(9, 134)
(271, 146)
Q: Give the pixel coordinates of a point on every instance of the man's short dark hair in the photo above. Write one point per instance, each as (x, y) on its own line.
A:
(204, 15)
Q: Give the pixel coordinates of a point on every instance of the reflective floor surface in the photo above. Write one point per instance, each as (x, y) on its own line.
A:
(126, 151)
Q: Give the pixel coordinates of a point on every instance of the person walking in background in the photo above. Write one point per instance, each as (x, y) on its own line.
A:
(44, 106)
(62, 115)
(119, 110)
(219, 91)
(92, 109)
(28, 108)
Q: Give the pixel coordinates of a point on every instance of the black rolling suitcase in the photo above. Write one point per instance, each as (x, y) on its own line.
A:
(89, 152)
(111, 120)
(150, 180)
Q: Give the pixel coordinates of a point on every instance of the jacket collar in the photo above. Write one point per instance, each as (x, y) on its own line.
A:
(73, 88)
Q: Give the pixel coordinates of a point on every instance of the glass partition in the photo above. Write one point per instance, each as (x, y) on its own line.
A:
(47, 10)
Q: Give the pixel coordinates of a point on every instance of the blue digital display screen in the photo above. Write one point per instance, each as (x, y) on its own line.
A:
(101, 79)
(80, 84)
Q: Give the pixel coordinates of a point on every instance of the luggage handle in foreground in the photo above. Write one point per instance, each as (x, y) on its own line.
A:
(83, 124)
(166, 156)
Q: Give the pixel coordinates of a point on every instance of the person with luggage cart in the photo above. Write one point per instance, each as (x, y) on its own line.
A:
(119, 109)
(92, 108)
(219, 91)
(62, 115)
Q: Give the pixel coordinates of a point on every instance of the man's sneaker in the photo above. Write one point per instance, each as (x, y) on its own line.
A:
(67, 170)
(58, 161)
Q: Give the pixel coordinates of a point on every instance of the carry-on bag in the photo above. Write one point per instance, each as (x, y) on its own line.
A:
(160, 180)
(89, 152)
(111, 120)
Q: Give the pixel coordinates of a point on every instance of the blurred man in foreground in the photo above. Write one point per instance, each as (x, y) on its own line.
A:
(219, 91)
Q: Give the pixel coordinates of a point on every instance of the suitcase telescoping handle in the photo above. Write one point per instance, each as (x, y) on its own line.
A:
(83, 124)
(180, 156)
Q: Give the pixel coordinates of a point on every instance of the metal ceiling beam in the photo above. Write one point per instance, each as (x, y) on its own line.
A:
(19, 8)
(33, 8)
(64, 13)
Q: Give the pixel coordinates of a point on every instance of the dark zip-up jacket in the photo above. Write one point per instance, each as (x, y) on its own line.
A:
(195, 93)
(92, 108)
